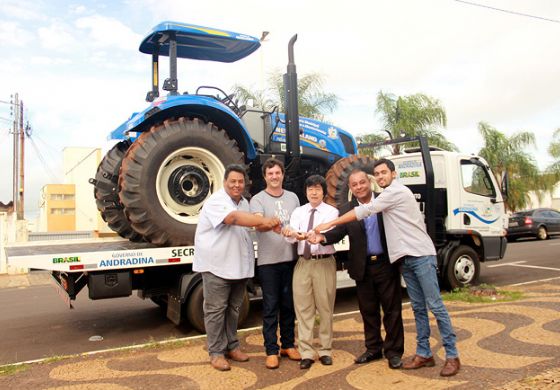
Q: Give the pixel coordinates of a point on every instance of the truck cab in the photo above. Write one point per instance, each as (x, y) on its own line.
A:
(469, 218)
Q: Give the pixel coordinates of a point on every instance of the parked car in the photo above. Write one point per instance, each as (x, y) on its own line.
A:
(539, 223)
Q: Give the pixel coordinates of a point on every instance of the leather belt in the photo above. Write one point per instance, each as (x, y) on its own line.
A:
(319, 257)
(374, 258)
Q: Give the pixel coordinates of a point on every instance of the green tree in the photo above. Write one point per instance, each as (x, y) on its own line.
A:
(554, 151)
(506, 155)
(551, 177)
(313, 102)
(410, 116)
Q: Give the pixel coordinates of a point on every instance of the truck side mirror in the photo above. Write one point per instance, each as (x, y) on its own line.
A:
(505, 185)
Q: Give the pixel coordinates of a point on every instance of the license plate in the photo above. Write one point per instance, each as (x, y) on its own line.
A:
(513, 224)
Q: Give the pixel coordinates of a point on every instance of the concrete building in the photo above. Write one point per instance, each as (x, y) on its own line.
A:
(57, 208)
(12, 231)
(547, 200)
(71, 206)
(80, 164)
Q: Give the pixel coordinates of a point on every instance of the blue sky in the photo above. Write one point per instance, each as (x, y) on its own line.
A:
(76, 65)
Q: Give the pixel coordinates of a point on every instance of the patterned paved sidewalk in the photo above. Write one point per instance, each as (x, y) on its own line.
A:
(503, 345)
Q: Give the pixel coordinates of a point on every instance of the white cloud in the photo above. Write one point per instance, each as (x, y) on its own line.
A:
(78, 9)
(108, 32)
(56, 36)
(49, 61)
(24, 10)
(13, 35)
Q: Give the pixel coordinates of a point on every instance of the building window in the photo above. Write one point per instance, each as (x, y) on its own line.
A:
(62, 211)
(62, 196)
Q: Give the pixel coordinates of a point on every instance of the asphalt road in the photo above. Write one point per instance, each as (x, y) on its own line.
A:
(34, 323)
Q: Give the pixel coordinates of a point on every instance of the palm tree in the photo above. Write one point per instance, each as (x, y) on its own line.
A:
(313, 102)
(411, 116)
(554, 151)
(506, 155)
(551, 177)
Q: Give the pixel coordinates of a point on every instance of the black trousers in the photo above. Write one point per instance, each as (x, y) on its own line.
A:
(278, 305)
(381, 288)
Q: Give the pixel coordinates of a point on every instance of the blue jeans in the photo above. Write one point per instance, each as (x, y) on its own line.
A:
(278, 305)
(420, 275)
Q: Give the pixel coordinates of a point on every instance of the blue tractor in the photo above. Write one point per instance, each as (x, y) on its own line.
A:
(172, 155)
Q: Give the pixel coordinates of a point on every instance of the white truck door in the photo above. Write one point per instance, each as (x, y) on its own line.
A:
(480, 205)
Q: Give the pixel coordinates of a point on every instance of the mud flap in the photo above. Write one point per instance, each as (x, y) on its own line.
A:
(174, 309)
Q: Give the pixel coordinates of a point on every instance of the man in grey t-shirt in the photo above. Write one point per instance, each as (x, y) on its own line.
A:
(275, 265)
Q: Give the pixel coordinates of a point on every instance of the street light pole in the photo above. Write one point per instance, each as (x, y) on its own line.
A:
(262, 39)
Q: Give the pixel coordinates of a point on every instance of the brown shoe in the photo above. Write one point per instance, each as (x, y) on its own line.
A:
(238, 356)
(418, 362)
(272, 362)
(451, 367)
(220, 363)
(291, 353)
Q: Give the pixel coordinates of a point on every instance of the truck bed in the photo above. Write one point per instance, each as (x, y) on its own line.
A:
(95, 255)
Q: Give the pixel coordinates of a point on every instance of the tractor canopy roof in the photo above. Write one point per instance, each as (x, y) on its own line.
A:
(200, 43)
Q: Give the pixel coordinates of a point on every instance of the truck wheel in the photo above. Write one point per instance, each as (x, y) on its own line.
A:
(338, 191)
(463, 268)
(106, 192)
(169, 172)
(542, 234)
(195, 310)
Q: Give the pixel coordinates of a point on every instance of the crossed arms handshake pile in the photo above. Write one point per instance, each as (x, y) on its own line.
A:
(274, 224)
(311, 236)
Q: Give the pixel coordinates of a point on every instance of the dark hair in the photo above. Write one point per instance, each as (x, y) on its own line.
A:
(236, 168)
(355, 171)
(272, 162)
(382, 161)
(313, 180)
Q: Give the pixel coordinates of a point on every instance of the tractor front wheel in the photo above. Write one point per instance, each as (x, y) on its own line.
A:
(169, 172)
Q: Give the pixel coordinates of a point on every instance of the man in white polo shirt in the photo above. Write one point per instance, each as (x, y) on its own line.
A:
(225, 256)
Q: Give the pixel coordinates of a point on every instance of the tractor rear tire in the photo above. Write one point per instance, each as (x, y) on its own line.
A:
(169, 172)
(106, 192)
(338, 191)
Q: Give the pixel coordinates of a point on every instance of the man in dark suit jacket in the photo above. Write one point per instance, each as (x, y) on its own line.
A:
(377, 280)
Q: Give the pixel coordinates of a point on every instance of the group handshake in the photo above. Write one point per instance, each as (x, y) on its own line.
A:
(275, 224)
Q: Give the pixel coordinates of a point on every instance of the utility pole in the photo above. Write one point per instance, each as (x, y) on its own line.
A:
(20, 210)
(15, 161)
(18, 157)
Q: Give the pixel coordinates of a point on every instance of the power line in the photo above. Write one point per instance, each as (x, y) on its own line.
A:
(44, 163)
(49, 146)
(508, 11)
(10, 103)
